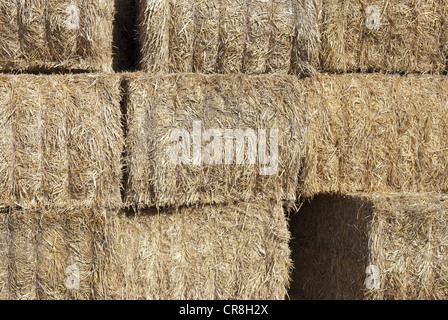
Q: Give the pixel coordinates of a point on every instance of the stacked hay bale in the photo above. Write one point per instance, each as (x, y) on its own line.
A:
(61, 145)
(228, 36)
(372, 221)
(383, 36)
(373, 132)
(54, 35)
(180, 150)
(190, 155)
(65, 232)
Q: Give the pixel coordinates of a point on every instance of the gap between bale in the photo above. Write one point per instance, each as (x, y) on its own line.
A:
(401, 238)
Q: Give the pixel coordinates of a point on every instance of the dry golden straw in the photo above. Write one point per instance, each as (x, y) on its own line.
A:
(383, 35)
(235, 251)
(402, 237)
(375, 133)
(61, 141)
(56, 35)
(159, 105)
(228, 36)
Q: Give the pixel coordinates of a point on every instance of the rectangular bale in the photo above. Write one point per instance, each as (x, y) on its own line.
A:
(228, 36)
(380, 246)
(373, 132)
(386, 36)
(61, 140)
(49, 254)
(56, 35)
(235, 251)
(212, 138)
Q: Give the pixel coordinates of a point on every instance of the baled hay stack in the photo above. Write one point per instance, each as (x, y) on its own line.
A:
(381, 35)
(53, 35)
(212, 166)
(49, 255)
(206, 252)
(371, 246)
(228, 36)
(61, 140)
(375, 133)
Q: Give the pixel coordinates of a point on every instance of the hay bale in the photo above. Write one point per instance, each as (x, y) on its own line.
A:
(23, 228)
(158, 107)
(235, 251)
(228, 36)
(4, 252)
(375, 133)
(55, 35)
(65, 264)
(387, 36)
(402, 235)
(49, 254)
(60, 140)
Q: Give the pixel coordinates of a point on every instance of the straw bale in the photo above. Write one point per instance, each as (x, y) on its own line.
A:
(159, 105)
(49, 254)
(66, 255)
(4, 251)
(375, 133)
(56, 35)
(235, 251)
(228, 36)
(23, 228)
(60, 140)
(410, 36)
(337, 237)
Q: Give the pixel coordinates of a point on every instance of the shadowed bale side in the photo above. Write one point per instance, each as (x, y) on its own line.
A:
(61, 141)
(371, 246)
(55, 35)
(125, 47)
(375, 133)
(381, 35)
(228, 36)
(237, 251)
(213, 162)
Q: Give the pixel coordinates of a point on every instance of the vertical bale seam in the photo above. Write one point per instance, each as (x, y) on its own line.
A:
(193, 69)
(218, 43)
(271, 38)
(67, 141)
(41, 143)
(19, 31)
(101, 153)
(246, 22)
(47, 33)
(12, 197)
